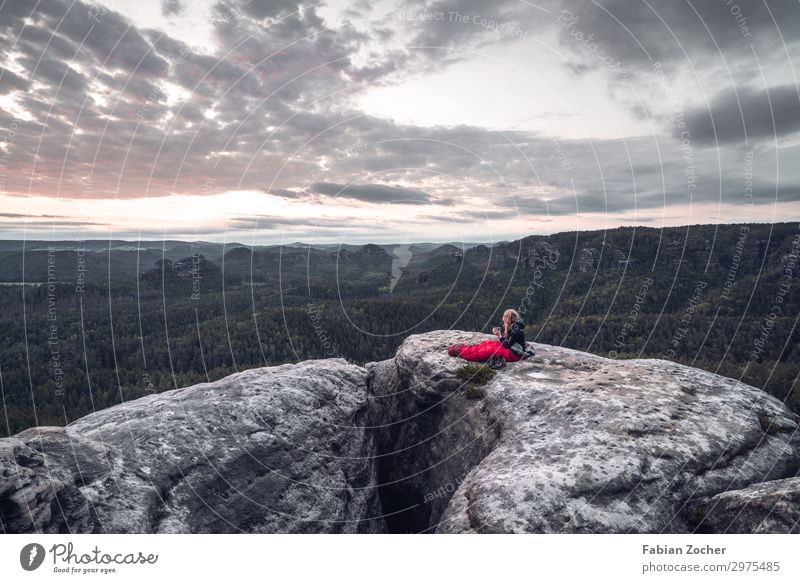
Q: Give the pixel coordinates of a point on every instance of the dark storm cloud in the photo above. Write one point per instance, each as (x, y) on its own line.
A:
(379, 193)
(745, 115)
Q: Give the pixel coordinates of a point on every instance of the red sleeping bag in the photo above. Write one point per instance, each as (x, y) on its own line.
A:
(483, 351)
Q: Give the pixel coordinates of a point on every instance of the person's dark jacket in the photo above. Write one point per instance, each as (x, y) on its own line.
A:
(515, 335)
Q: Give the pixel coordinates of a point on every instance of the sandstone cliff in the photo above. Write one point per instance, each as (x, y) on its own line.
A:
(278, 449)
(563, 442)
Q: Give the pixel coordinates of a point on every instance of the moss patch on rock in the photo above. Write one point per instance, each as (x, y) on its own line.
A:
(476, 372)
(473, 392)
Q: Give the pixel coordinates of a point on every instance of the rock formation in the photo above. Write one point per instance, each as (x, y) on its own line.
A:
(562, 442)
(570, 442)
(767, 507)
(278, 449)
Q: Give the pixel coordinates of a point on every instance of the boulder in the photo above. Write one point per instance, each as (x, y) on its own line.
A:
(278, 449)
(567, 441)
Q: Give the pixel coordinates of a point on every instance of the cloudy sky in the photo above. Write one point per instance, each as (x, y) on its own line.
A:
(270, 120)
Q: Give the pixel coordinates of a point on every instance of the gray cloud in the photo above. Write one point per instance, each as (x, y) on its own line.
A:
(279, 222)
(451, 218)
(746, 114)
(109, 96)
(47, 226)
(371, 193)
(447, 28)
(260, 9)
(272, 106)
(488, 214)
(10, 82)
(705, 51)
(283, 192)
(26, 216)
(171, 7)
(612, 202)
(684, 34)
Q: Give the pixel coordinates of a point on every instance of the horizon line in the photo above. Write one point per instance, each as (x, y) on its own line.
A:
(420, 242)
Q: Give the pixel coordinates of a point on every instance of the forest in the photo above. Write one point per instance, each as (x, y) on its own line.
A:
(86, 325)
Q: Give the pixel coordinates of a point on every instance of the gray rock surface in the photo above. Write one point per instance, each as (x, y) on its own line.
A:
(562, 442)
(769, 507)
(571, 442)
(279, 449)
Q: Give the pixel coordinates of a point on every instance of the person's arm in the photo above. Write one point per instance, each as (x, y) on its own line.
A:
(516, 335)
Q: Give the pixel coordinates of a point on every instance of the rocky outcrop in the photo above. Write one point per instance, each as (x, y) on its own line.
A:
(568, 441)
(280, 449)
(562, 442)
(40, 483)
(768, 507)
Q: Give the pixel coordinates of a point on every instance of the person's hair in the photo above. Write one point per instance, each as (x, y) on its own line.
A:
(509, 317)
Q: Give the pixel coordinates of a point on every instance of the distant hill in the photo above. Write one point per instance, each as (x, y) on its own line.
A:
(124, 261)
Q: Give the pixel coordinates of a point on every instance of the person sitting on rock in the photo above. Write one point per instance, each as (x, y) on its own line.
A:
(509, 347)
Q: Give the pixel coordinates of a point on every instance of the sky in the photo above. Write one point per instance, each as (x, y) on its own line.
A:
(262, 121)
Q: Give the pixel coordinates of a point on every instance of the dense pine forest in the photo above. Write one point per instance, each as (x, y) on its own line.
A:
(86, 325)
